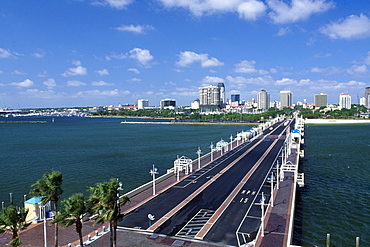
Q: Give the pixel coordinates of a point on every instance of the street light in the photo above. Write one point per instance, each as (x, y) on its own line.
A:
(199, 152)
(272, 189)
(43, 213)
(262, 201)
(231, 142)
(11, 198)
(153, 172)
(211, 151)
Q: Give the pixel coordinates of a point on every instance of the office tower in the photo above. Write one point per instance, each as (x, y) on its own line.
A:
(320, 100)
(263, 100)
(235, 98)
(221, 86)
(367, 97)
(142, 103)
(168, 104)
(286, 99)
(345, 101)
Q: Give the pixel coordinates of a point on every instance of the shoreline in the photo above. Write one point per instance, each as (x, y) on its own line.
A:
(336, 121)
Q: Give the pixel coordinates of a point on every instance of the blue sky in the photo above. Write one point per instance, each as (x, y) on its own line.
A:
(61, 53)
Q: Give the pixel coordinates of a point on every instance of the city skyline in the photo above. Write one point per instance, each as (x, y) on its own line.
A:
(110, 52)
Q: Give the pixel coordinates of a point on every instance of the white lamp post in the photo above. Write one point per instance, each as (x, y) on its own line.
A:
(199, 152)
(211, 151)
(153, 172)
(263, 215)
(11, 198)
(277, 174)
(272, 189)
(231, 142)
(42, 208)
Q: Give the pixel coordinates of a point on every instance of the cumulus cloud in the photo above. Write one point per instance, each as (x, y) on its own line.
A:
(285, 81)
(352, 27)
(115, 56)
(188, 57)
(247, 67)
(101, 83)
(75, 83)
(50, 83)
(142, 56)
(79, 70)
(25, 83)
(102, 72)
(358, 70)
(247, 9)
(298, 10)
(136, 71)
(211, 80)
(117, 4)
(8, 54)
(139, 29)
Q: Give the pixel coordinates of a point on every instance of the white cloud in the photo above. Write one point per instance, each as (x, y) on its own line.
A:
(50, 83)
(25, 83)
(136, 71)
(35, 93)
(247, 67)
(353, 27)
(76, 62)
(211, 80)
(102, 72)
(117, 4)
(298, 9)
(139, 29)
(75, 83)
(101, 83)
(327, 71)
(40, 54)
(141, 55)
(7, 54)
(358, 70)
(79, 70)
(247, 9)
(18, 72)
(115, 56)
(189, 57)
(134, 80)
(285, 81)
(97, 93)
(283, 31)
(241, 82)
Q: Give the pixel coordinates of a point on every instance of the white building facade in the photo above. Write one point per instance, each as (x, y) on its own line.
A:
(345, 101)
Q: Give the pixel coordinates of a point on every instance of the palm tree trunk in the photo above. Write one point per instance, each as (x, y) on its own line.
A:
(56, 225)
(111, 233)
(79, 231)
(115, 233)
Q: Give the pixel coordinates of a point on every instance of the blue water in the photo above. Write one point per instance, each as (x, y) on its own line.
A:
(335, 198)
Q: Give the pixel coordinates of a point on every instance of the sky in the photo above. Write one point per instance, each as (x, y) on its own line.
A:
(67, 53)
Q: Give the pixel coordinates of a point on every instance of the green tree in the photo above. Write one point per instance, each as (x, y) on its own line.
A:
(72, 213)
(50, 188)
(105, 201)
(13, 220)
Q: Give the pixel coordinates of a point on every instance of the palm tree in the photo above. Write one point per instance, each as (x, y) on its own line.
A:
(72, 212)
(106, 203)
(13, 220)
(50, 188)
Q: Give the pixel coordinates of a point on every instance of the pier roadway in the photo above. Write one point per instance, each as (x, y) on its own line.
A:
(217, 201)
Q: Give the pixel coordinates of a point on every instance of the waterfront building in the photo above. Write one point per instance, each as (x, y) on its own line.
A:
(142, 104)
(263, 100)
(345, 101)
(367, 97)
(212, 97)
(235, 98)
(286, 99)
(363, 101)
(320, 100)
(195, 104)
(168, 104)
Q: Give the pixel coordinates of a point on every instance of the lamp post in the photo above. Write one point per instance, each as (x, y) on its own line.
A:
(263, 215)
(231, 142)
(11, 198)
(277, 174)
(153, 172)
(42, 208)
(272, 189)
(199, 152)
(211, 151)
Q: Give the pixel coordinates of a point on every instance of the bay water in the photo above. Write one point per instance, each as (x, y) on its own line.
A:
(335, 198)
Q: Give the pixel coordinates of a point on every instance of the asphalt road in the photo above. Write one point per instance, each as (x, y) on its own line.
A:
(224, 175)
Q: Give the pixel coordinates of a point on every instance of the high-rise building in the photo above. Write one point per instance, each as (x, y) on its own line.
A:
(168, 104)
(212, 97)
(142, 104)
(320, 100)
(367, 97)
(235, 98)
(286, 99)
(263, 100)
(345, 101)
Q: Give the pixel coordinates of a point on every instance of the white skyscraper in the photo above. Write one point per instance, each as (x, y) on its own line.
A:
(345, 101)
(142, 103)
(263, 100)
(286, 99)
(212, 96)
